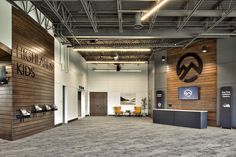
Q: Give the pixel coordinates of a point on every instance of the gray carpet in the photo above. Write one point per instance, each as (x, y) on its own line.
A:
(121, 137)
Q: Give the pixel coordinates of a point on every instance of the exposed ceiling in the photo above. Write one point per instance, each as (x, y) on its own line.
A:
(110, 23)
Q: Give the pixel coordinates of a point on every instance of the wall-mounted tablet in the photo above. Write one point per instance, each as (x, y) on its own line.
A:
(189, 93)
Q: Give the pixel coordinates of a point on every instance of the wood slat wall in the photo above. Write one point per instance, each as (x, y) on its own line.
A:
(206, 81)
(27, 91)
(6, 100)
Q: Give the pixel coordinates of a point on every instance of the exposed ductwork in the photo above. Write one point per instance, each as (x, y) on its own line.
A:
(138, 22)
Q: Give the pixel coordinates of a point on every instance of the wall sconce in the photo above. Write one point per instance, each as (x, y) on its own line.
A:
(204, 49)
(163, 58)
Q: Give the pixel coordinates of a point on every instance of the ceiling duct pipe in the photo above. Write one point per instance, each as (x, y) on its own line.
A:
(138, 22)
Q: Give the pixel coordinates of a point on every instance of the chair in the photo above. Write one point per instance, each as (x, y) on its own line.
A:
(137, 111)
(118, 110)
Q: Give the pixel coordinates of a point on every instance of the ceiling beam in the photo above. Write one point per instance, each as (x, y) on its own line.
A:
(120, 19)
(165, 33)
(197, 5)
(120, 54)
(176, 13)
(153, 20)
(102, 0)
(88, 8)
(165, 13)
(215, 7)
(133, 45)
(63, 19)
(218, 4)
(224, 15)
(186, 7)
(234, 31)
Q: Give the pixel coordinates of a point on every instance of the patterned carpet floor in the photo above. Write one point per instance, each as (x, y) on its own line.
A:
(123, 137)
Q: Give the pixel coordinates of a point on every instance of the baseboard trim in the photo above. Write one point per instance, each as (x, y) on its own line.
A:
(58, 125)
(72, 120)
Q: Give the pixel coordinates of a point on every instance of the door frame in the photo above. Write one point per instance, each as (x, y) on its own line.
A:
(79, 106)
(64, 104)
(89, 95)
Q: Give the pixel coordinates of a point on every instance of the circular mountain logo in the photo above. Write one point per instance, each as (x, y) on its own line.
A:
(188, 93)
(183, 69)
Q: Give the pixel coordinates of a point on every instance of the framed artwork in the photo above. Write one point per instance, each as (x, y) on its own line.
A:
(128, 98)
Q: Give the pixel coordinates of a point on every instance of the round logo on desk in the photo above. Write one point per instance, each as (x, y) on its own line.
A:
(188, 93)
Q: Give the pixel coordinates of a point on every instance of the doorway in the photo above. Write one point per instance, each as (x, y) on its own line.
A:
(79, 103)
(98, 103)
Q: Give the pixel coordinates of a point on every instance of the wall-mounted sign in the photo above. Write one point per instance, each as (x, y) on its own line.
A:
(25, 70)
(81, 87)
(183, 69)
(34, 58)
(225, 107)
(30, 57)
(160, 99)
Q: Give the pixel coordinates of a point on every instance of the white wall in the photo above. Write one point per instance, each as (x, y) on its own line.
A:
(117, 82)
(6, 23)
(70, 71)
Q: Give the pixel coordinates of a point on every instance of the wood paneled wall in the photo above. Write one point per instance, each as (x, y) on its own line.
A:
(206, 81)
(6, 94)
(32, 80)
(6, 101)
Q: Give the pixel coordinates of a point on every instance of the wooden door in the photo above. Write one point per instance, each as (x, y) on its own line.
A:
(98, 104)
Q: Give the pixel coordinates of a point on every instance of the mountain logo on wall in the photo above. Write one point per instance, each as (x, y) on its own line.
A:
(188, 67)
(188, 93)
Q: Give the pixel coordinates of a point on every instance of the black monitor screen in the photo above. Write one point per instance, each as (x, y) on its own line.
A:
(188, 93)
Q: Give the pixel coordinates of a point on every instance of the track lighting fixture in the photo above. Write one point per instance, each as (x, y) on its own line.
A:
(204, 49)
(163, 58)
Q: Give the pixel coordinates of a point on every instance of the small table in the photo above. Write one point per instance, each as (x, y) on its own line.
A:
(127, 113)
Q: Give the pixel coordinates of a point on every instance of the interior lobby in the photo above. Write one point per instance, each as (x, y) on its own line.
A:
(116, 78)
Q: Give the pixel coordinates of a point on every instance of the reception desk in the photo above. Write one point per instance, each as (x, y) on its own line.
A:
(185, 118)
